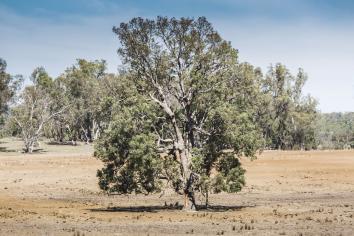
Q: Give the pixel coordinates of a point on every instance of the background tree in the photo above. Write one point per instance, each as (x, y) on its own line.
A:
(9, 85)
(80, 87)
(33, 109)
(186, 118)
(287, 117)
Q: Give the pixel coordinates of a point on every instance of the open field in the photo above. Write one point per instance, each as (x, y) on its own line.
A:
(288, 193)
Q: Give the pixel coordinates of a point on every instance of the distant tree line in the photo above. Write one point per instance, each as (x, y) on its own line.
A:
(79, 105)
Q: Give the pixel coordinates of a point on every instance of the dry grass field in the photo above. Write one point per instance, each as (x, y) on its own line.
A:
(55, 192)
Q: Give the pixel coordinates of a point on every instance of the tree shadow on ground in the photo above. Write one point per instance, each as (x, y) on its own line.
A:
(5, 149)
(155, 209)
(39, 150)
(35, 151)
(66, 143)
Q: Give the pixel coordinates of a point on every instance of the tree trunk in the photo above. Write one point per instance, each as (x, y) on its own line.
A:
(189, 197)
(61, 138)
(86, 134)
(95, 130)
(73, 142)
(30, 149)
(183, 155)
(29, 144)
(189, 202)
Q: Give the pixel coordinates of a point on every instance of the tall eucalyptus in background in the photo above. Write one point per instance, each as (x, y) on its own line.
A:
(9, 86)
(288, 117)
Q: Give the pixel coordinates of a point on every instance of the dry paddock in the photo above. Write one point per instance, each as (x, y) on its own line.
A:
(55, 192)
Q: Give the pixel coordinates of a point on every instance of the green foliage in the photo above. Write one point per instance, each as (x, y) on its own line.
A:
(40, 78)
(128, 149)
(287, 117)
(335, 131)
(226, 174)
(9, 85)
(231, 174)
(80, 87)
(5, 91)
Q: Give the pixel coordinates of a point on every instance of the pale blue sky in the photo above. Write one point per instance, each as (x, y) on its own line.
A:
(317, 35)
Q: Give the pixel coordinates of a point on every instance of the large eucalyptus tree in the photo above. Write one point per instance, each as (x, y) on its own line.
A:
(186, 115)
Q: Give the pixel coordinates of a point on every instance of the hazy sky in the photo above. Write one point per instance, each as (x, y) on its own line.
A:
(317, 35)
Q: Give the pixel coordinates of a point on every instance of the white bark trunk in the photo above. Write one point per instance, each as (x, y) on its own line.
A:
(182, 154)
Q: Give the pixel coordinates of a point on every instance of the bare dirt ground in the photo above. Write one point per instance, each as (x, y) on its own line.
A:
(55, 192)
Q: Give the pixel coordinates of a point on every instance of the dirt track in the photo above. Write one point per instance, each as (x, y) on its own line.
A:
(287, 193)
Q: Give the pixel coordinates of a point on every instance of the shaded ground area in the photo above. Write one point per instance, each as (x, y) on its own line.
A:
(288, 193)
